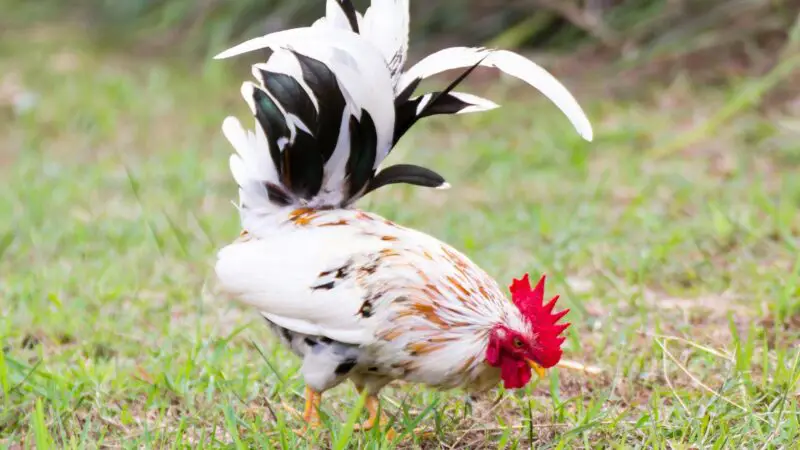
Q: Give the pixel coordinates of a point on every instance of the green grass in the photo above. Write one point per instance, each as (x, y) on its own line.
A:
(681, 268)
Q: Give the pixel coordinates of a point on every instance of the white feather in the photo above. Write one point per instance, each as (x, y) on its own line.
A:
(510, 63)
(336, 18)
(249, 168)
(275, 276)
(253, 149)
(253, 199)
(479, 104)
(247, 94)
(335, 15)
(386, 27)
(333, 184)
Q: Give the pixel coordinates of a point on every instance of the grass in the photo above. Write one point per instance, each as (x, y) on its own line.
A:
(682, 271)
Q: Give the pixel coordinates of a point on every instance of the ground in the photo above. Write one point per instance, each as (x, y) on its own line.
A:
(680, 263)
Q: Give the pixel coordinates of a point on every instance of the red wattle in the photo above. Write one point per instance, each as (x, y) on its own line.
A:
(514, 373)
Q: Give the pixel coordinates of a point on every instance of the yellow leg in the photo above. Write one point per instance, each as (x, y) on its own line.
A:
(311, 412)
(373, 404)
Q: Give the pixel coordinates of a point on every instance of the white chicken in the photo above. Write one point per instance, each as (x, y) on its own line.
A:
(354, 295)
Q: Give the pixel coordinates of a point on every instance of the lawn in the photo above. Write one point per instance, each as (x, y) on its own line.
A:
(680, 263)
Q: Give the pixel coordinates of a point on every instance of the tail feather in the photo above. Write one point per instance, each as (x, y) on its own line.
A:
(331, 100)
(386, 24)
(407, 173)
(289, 93)
(510, 63)
(436, 101)
(340, 14)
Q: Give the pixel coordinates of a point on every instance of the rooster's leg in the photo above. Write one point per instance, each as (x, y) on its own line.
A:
(311, 412)
(372, 405)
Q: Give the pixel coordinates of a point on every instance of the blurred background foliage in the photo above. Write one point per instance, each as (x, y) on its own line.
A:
(748, 33)
(682, 217)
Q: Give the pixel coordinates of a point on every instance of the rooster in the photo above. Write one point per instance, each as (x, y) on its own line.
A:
(355, 295)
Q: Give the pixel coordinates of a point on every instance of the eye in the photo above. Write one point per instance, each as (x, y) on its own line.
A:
(518, 342)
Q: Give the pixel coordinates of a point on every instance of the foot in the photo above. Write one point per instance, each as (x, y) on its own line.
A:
(373, 405)
(311, 410)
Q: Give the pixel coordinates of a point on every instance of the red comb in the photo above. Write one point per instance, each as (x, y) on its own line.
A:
(540, 315)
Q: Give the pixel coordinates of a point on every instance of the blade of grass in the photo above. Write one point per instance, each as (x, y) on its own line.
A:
(347, 430)
(4, 382)
(39, 425)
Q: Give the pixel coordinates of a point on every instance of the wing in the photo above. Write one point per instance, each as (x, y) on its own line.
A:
(310, 279)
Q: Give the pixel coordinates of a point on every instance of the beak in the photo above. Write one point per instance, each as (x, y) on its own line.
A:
(537, 368)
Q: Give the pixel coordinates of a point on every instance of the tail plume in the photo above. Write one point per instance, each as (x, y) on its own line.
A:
(332, 100)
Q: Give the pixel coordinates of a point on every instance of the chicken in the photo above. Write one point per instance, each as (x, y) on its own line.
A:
(354, 295)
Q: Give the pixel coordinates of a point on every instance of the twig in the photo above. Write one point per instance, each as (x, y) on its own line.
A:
(574, 365)
(710, 350)
(664, 353)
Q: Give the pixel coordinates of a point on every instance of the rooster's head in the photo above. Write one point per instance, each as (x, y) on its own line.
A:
(533, 344)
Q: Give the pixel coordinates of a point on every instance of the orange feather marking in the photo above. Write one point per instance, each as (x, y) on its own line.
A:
(458, 285)
(430, 314)
(391, 335)
(338, 223)
(422, 348)
(302, 216)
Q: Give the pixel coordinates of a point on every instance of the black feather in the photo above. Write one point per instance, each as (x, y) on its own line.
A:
(451, 86)
(291, 95)
(439, 103)
(363, 150)
(302, 168)
(350, 12)
(330, 99)
(326, 286)
(405, 115)
(286, 334)
(406, 93)
(272, 122)
(444, 104)
(402, 121)
(277, 195)
(345, 366)
(405, 173)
